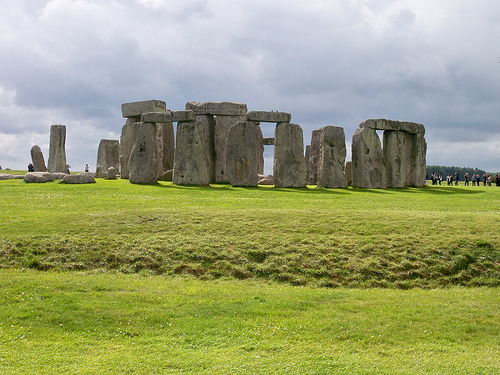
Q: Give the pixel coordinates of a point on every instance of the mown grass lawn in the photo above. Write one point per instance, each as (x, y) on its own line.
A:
(121, 278)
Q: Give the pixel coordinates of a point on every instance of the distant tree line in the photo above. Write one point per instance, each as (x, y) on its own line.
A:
(451, 170)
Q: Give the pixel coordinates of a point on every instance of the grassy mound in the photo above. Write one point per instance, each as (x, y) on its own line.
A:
(428, 237)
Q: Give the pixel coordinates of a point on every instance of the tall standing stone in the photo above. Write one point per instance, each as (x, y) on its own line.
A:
(57, 149)
(332, 158)
(126, 145)
(108, 154)
(242, 161)
(166, 144)
(416, 159)
(395, 156)
(348, 173)
(191, 164)
(314, 156)
(144, 157)
(289, 161)
(260, 149)
(37, 159)
(368, 168)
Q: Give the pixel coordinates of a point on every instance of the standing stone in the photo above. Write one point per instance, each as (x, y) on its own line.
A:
(242, 161)
(368, 168)
(348, 173)
(191, 164)
(144, 158)
(222, 125)
(395, 157)
(111, 175)
(166, 145)
(37, 159)
(260, 150)
(314, 156)
(207, 123)
(307, 156)
(289, 161)
(108, 154)
(416, 159)
(332, 158)
(57, 149)
(126, 144)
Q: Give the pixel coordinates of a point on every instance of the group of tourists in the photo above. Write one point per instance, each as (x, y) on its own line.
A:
(476, 179)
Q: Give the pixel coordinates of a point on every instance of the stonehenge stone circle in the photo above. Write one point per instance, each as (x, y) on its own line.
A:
(144, 157)
(57, 149)
(108, 154)
(37, 159)
(218, 108)
(332, 155)
(191, 164)
(242, 161)
(289, 161)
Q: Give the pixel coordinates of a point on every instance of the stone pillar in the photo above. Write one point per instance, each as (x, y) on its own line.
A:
(260, 150)
(416, 159)
(368, 168)
(314, 156)
(191, 164)
(289, 161)
(126, 144)
(242, 161)
(144, 157)
(37, 159)
(348, 173)
(307, 156)
(132, 112)
(332, 158)
(57, 149)
(108, 154)
(395, 158)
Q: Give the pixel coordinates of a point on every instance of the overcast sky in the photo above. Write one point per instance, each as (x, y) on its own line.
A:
(328, 62)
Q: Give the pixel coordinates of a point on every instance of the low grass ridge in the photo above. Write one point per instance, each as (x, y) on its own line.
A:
(101, 323)
(402, 238)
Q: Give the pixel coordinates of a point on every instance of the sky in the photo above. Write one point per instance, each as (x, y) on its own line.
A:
(327, 62)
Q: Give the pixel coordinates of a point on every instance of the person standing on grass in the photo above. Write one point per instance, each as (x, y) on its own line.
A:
(457, 177)
(87, 168)
(440, 179)
(466, 178)
(67, 168)
(31, 168)
(498, 180)
(484, 179)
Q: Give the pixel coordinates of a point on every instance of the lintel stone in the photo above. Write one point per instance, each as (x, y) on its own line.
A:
(157, 117)
(266, 116)
(268, 141)
(383, 124)
(136, 109)
(218, 108)
(183, 116)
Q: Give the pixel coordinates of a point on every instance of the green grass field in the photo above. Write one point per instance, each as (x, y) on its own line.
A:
(222, 280)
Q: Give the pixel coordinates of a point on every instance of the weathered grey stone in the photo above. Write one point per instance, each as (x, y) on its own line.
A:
(268, 141)
(80, 178)
(395, 158)
(136, 109)
(157, 117)
(57, 175)
(38, 177)
(218, 108)
(183, 116)
(266, 116)
(307, 156)
(383, 124)
(314, 156)
(348, 173)
(332, 158)
(266, 180)
(241, 154)
(144, 158)
(108, 154)
(222, 125)
(99, 172)
(260, 149)
(289, 161)
(7, 176)
(166, 145)
(111, 175)
(416, 155)
(126, 144)
(207, 122)
(37, 159)
(57, 149)
(368, 168)
(191, 164)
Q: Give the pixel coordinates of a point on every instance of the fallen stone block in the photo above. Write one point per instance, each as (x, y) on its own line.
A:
(38, 177)
(6, 176)
(80, 178)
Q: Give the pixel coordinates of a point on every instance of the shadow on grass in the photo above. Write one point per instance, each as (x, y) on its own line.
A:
(443, 190)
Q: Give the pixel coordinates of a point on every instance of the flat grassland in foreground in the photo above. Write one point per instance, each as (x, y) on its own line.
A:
(222, 280)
